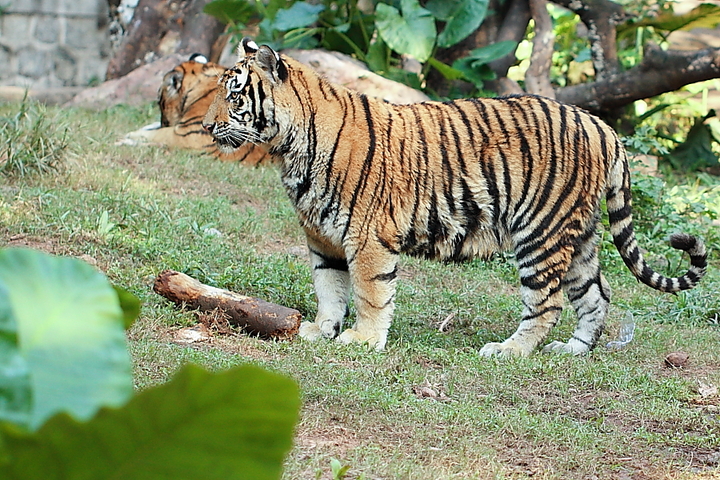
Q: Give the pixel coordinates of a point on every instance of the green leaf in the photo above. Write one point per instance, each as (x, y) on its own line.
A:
(474, 67)
(696, 151)
(299, 15)
(231, 11)
(443, 10)
(377, 56)
(462, 18)
(412, 33)
(338, 470)
(706, 15)
(236, 424)
(489, 53)
(270, 9)
(15, 391)
(129, 304)
(448, 72)
(70, 333)
(476, 75)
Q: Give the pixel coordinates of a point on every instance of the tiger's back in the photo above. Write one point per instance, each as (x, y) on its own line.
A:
(371, 180)
(467, 178)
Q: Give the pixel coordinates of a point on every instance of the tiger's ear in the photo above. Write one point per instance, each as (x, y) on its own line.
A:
(246, 47)
(198, 57)
(271, 63)
(173, 81)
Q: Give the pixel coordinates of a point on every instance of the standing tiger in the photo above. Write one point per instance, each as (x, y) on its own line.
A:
(371, 180)
(184, 96)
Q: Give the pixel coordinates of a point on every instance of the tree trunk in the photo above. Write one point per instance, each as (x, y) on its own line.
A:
(159, 28)
(537, 77)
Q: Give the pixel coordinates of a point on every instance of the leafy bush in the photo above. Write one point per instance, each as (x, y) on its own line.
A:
(67, 408)
(30, 141)
(374, 36)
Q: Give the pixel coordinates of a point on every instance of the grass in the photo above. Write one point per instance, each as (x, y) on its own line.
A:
(31, 141)
(426, 408)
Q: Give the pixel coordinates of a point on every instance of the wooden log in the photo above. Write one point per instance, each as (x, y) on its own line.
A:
(255, 316)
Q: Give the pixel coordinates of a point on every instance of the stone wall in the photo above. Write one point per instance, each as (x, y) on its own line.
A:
(53, 43)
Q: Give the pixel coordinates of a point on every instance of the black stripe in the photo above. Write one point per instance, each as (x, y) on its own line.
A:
(331, 263)
(616, 216)
(367, 164)
(386, 277)
(540, 313)
(591, 345)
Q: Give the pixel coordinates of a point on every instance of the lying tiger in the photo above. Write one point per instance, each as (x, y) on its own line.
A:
(184, 97)
(451, 181)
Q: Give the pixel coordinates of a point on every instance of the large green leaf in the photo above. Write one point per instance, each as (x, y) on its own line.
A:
(15, 391)
(412, 33)
(299, 15)
(70, 333)
(236, 424)
(377, 57)
(489, 53)
(461, 17)
(443, 10)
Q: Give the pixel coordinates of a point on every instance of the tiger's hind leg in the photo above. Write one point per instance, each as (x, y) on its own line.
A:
(541, 273)
(332, 289)
(589, 294)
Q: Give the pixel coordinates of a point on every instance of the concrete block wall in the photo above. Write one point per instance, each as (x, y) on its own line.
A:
(53, 43)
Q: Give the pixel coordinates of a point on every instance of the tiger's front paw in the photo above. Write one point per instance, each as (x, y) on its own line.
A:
(138, 137)
(374, 340)
(508, 348)
(310, 331)
(573, 347)
(315, 330)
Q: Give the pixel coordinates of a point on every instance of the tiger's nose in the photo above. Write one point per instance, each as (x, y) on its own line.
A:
(209, 127)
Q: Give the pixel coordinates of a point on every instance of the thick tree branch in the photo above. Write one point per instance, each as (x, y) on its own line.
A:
(601, 17)
(537, 77)
(659, 72)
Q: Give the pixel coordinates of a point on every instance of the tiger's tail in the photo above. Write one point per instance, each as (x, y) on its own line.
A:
(618, 200)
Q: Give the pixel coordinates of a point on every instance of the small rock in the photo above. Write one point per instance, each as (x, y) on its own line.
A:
(677, 360)
(194, 334)
(212, 232)
(707, 390)
(426, 390)
(422, 391)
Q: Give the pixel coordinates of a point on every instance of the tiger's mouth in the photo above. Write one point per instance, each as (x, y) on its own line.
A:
(228, 144)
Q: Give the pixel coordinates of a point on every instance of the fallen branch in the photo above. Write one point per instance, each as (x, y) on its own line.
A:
(255, 316)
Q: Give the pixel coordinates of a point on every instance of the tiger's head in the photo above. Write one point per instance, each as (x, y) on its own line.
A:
(244, 108)
(187, 89)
